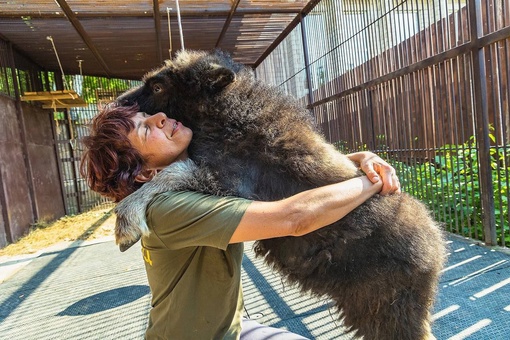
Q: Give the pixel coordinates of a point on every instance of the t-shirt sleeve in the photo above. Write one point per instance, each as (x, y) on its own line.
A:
(186, 219)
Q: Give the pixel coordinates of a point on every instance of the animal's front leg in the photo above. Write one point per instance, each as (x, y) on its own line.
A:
(131, 223)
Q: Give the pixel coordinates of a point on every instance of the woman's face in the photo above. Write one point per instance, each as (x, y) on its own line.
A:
(159, 139)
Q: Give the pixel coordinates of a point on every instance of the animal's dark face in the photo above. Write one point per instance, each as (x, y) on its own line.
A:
(183, 84)
(156, 94)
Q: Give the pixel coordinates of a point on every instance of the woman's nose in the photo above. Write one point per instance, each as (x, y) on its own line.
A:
(159, 119)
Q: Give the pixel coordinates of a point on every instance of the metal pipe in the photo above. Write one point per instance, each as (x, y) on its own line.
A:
(180, 24)
(169, 32)
(307, 59)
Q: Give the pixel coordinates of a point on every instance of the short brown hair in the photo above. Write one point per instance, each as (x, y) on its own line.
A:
(110, 163)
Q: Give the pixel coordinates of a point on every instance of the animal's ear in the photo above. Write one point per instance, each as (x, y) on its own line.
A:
(219, 77)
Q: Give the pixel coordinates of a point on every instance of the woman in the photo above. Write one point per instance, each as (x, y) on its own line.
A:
(194, 251)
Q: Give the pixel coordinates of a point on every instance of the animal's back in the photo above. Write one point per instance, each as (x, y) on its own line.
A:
(265, 140)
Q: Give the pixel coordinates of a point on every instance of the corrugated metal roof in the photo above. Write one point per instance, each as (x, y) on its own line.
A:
(126, 39)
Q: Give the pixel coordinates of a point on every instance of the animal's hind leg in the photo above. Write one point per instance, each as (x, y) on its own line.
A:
(428, 329)
(389, 309)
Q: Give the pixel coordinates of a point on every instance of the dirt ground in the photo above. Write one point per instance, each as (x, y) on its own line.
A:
(94, 224)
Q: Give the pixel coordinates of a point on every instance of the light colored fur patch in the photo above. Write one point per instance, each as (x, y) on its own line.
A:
(131, 223)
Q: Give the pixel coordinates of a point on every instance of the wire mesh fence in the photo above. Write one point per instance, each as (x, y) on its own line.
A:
(425, 84)
(73, 124)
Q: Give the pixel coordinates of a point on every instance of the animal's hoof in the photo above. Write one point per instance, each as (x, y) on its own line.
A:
(125, 246)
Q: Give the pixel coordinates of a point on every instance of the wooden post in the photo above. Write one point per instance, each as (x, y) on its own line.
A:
(23, 137)
(482, 124)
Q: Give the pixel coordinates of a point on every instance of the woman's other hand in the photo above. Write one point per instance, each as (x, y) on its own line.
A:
(377, 169)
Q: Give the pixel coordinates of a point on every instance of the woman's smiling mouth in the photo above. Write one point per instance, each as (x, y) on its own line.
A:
(175, 127)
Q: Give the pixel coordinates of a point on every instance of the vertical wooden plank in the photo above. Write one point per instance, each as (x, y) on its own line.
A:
(22, 132)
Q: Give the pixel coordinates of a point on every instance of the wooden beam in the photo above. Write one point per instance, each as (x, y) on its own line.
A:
(49, 95)
(209, 12)
(227, 22)
(62, 106)
(307, 9)
(83, 34)
(157, 28)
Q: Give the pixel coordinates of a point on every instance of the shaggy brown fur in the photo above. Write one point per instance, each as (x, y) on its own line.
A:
(379, 264)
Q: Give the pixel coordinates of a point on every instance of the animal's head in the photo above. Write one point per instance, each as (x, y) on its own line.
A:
(154, 95)
(179, 86)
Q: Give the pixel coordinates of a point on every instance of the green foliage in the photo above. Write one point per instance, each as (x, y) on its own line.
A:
(88, 85)
(59, 115)
(6, 81)
(450, 186)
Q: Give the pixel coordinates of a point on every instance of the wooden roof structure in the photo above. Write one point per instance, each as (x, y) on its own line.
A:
(125, 39)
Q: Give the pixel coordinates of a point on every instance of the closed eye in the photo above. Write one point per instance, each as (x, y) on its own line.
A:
(147, 130)
(147, 127)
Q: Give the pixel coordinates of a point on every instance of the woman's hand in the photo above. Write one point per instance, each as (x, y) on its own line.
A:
(377, 169)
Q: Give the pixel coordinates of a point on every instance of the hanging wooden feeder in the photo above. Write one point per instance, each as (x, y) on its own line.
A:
(55, 99)
(61, 99)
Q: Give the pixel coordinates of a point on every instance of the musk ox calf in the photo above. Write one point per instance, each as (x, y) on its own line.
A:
(379, 264)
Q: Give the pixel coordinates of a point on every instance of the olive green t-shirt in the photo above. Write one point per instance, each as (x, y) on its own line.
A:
(193, 273)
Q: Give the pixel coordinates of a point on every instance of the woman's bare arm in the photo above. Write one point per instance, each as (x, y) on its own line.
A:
(304, 212)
